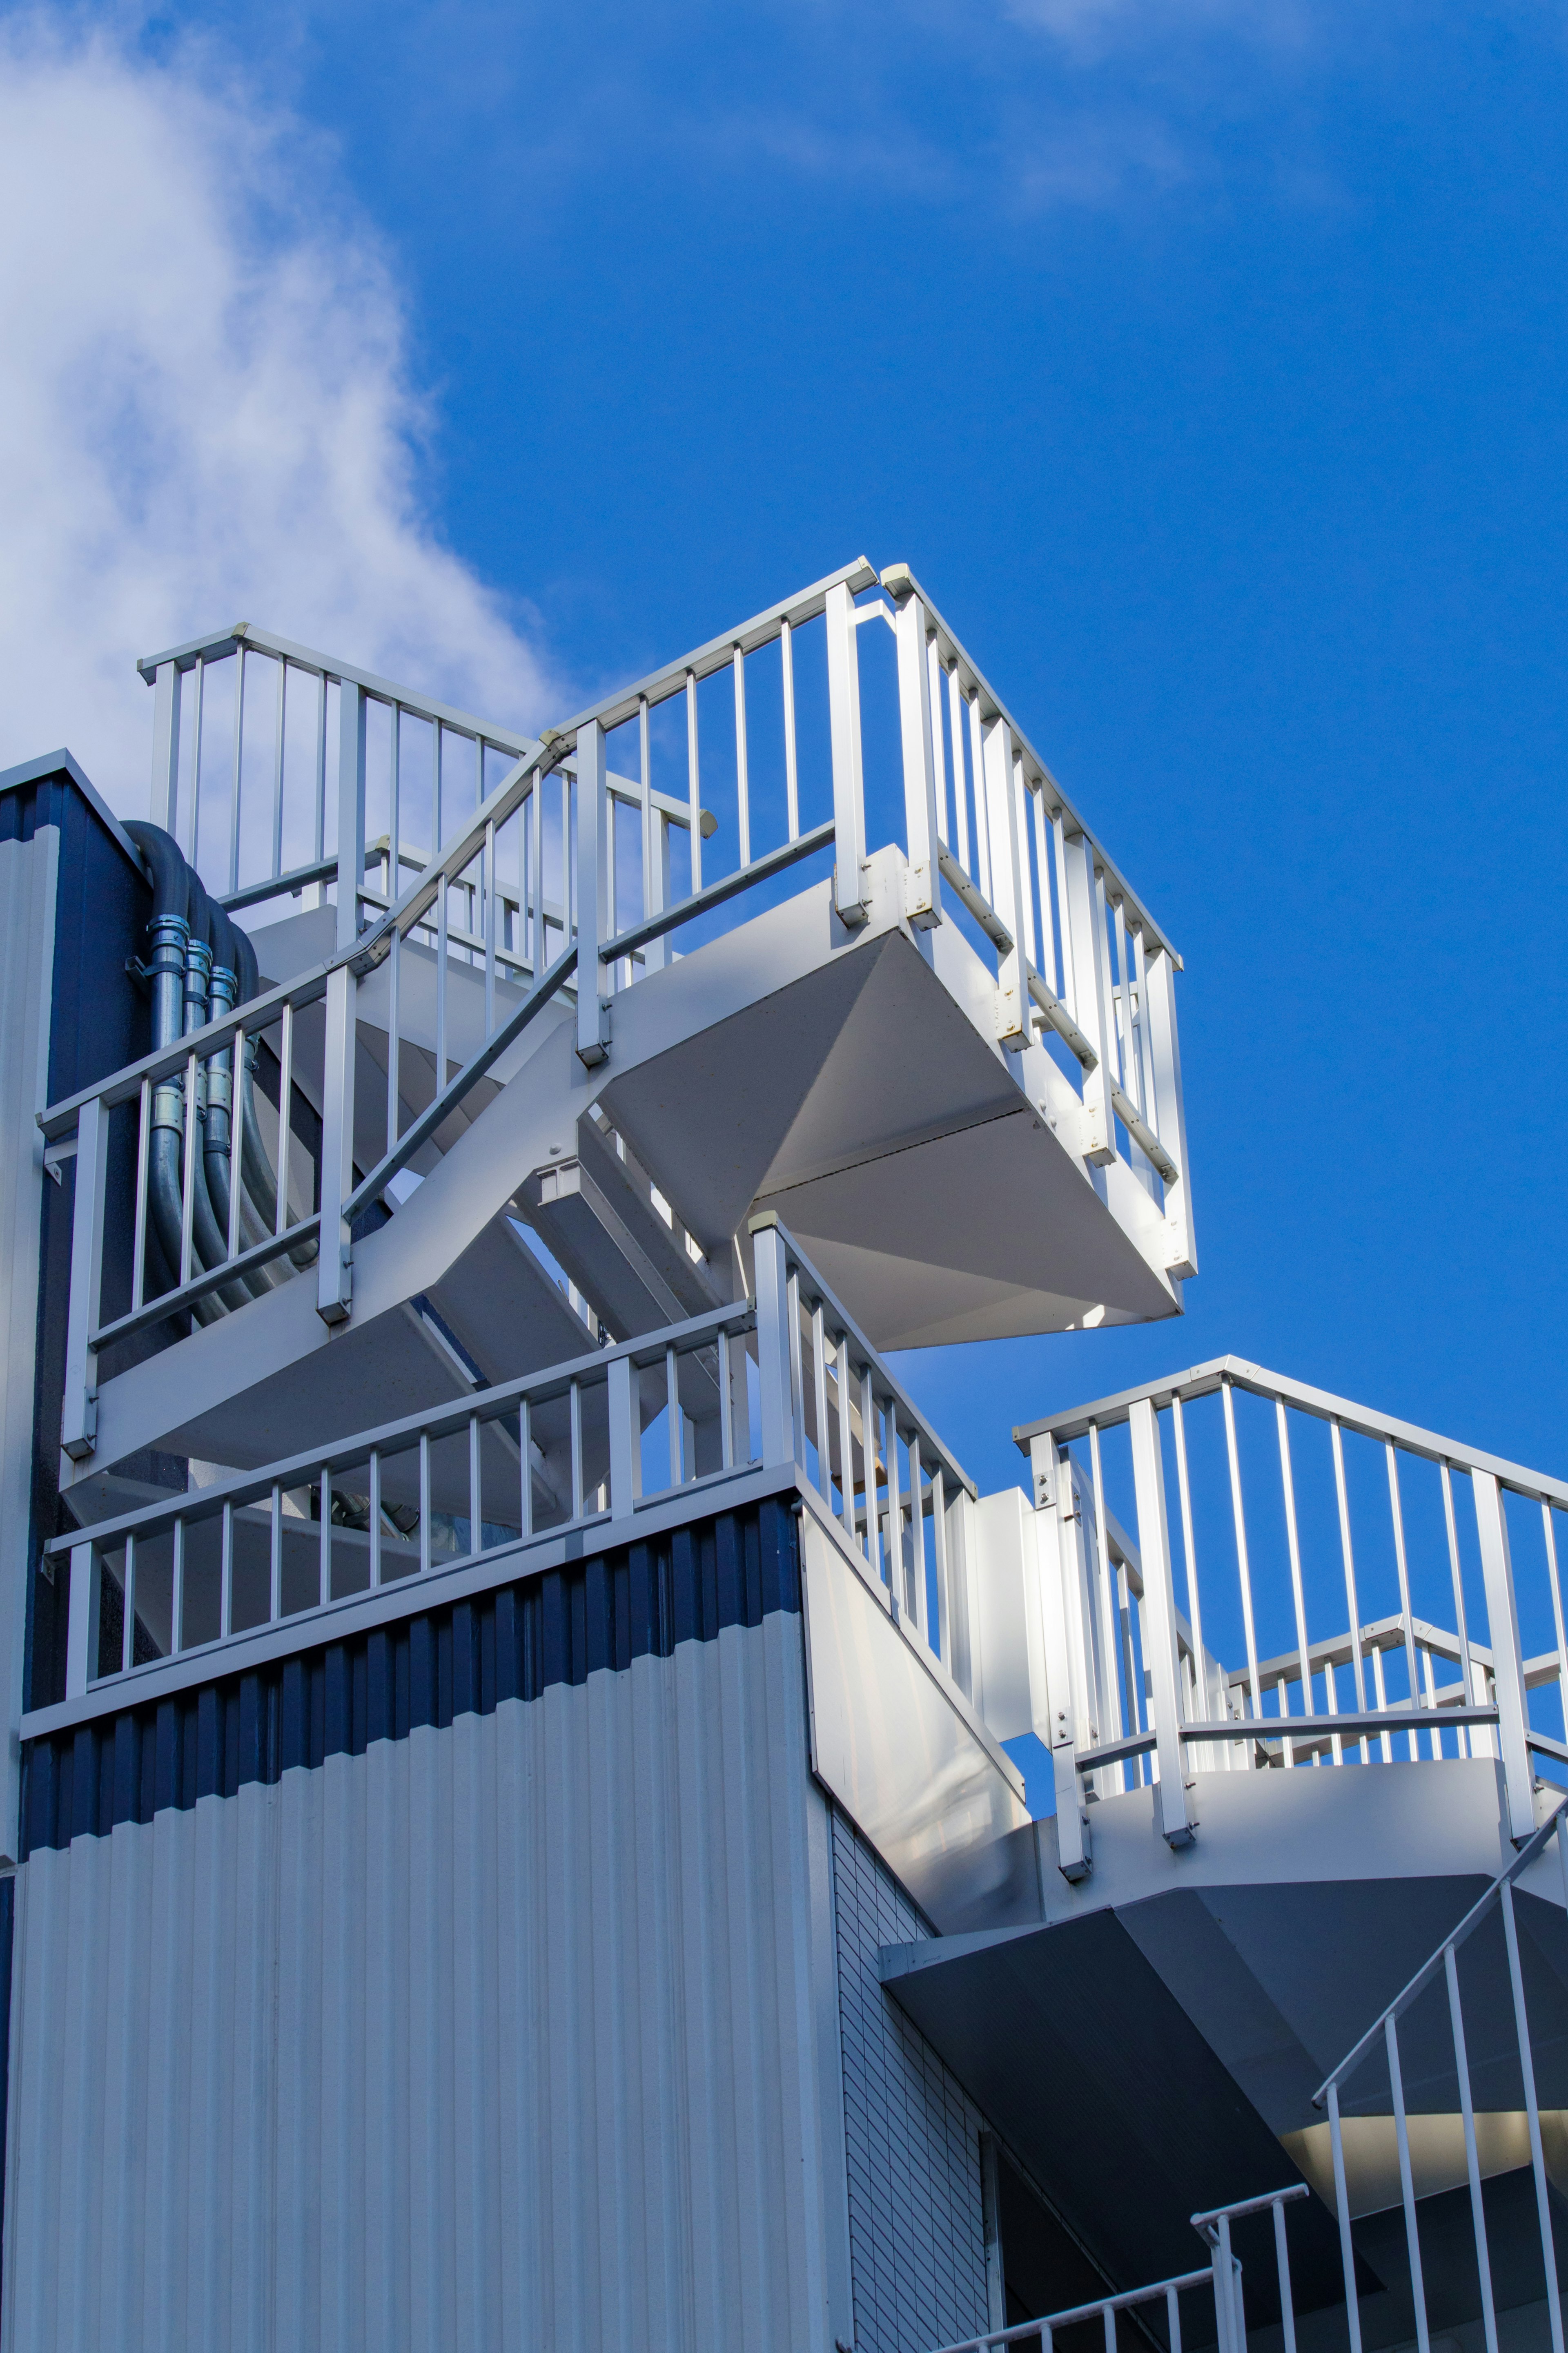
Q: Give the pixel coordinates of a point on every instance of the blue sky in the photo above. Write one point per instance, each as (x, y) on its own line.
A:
(1206, 361)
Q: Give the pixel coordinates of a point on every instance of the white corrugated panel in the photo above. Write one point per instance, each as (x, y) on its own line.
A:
(514, 2035)
(28, 871)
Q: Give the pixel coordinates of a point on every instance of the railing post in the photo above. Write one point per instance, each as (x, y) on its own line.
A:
(848, 788)
(350, 811)
(922, 894)
(1007, 882)
(594, 924)
(79, 1427)
(1061, 1732)
(781, 1440)
(626, 1437)
(167, 745)
(1508, 1665)
(1170, 1115)
(1089, 1005)
(1159, 1623)
(82, 1630)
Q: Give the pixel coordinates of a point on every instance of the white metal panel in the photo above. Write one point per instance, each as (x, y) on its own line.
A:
(896, 1748)
(27, 871)
(503, 2035)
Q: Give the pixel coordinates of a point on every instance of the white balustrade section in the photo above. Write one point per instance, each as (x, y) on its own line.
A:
(1307, 1588)
(1214, 2294)
(785, 1382)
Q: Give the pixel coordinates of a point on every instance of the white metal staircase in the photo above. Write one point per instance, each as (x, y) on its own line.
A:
(950, 1063)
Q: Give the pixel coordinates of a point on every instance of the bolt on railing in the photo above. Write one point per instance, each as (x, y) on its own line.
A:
(1279, 1567)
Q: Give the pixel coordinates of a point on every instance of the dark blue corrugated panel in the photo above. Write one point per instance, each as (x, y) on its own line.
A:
(557, 1626)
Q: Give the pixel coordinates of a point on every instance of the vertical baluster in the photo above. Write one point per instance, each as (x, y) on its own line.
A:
(1239, 1515)
(960, 786)
(743, 777)
(983, 839)
(1352, 1603)
(938, 738)
(374, 1516)
(693, 784)
(1472, 2157)
(1049, 969)
(726, 1405)
(1189, 1550)
(189, 1172)
(1425, 1653)
(1286, 1479)
(476, 1489)
(285, 1115)
(488, 890)
(234, 785)
(792, 777)
(324, 1507)
(525, 1465)
(1113, 1717)
(139, 1220)
(893, 1520)
(278, 767)
(193, 813)
(177, 1598)
(869, 1467)
(1551, 1535)
(917, 722)
(576, 1413)
(435, 810)
(1507, 1658)
(128, 1603)
(393, 1039)
(918, 1537)
(226, 1575)
(1018, 820)
(1343, 2211)
(1473, 1740)
(424, 1502)
(674, 1431)
(440, 984)
(395, 807)
(845, 1438)
(942, 1642)
(1402, 1567)
(1130, 1077)
(236, 1094)
(85, 1310)
(321, 770)
(536, 830)
(820, 1402)
(1407, 2185)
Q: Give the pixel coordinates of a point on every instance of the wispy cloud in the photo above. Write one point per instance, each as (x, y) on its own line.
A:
(207, 409)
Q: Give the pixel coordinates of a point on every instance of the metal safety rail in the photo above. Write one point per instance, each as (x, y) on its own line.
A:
(1369, 1607)
(1440, 2139)
(1215, 2294)
(565, 867)
(785, 1381)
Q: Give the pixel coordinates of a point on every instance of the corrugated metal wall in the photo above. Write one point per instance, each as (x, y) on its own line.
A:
(916, 2215)
(507, 2034)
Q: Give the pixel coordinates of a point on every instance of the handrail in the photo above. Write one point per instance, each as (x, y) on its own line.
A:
(1528, 1853)
(1202, 1380)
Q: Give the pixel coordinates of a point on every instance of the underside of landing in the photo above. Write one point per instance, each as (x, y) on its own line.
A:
(1154, 2050)
(850, 1081)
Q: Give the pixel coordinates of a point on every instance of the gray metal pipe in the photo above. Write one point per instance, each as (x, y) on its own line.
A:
(168, 933)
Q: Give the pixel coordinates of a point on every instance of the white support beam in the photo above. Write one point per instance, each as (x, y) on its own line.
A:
(593, 923)
(1508, 1663)
(1160, 1640)
(848, 787)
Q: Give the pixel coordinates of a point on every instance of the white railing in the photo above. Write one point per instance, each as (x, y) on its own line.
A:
(786, 1383)
(1384, 2149)
(1215, 2292)
(1368, 1605)
(560, 881)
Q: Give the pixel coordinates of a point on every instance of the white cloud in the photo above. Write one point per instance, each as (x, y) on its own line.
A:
(206, 412)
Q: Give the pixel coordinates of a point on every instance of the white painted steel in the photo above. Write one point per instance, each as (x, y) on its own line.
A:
(512, 2034)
